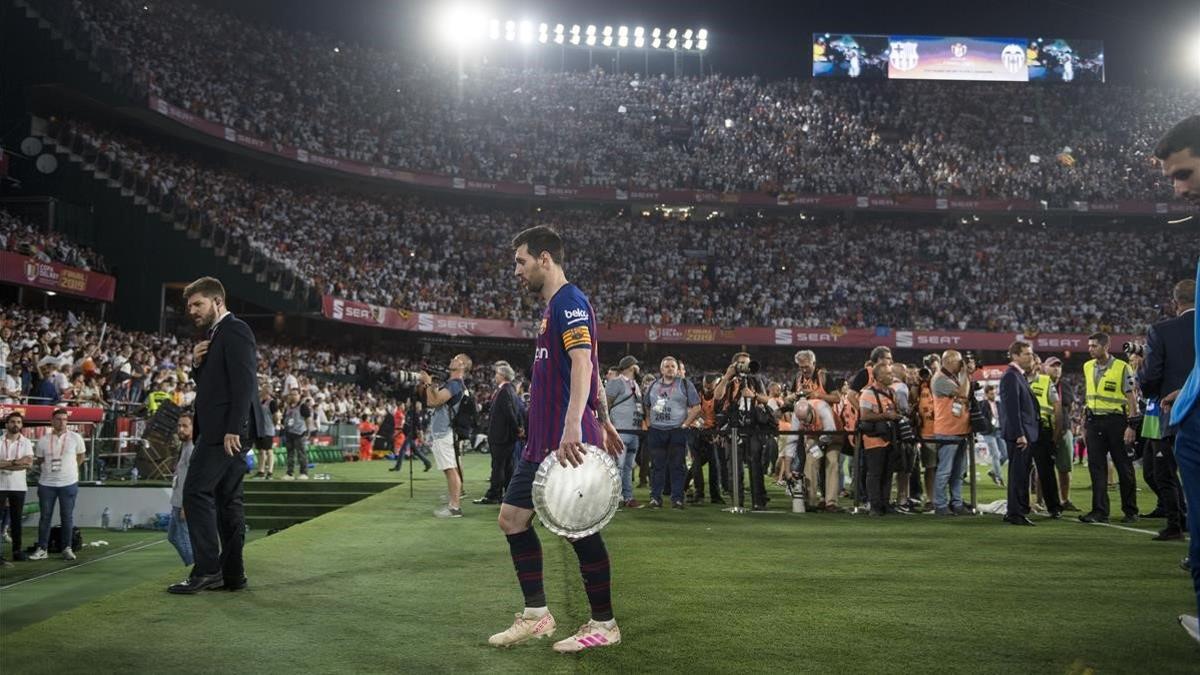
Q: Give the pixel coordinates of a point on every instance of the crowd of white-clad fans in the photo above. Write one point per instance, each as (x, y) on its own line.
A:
(735, 269)
(719, 133)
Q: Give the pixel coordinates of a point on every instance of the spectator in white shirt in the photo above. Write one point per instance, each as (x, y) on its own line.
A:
(59, 453)
(16, 455)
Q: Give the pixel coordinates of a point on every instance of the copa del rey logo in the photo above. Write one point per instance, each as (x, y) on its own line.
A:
(31, 270)
(958, 49)
(903, 55)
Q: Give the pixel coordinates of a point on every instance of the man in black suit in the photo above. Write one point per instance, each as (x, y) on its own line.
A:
(224, 366)
(504, 426)
(1169, 355)
(1019, 426)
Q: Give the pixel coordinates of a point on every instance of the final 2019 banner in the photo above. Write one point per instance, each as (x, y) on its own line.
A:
(933, 57)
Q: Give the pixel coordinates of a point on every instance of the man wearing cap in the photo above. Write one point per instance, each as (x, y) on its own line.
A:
(45, 392)
(16, 455)
(624, 396)
(59, 453)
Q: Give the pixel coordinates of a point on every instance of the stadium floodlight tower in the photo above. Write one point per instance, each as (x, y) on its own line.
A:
(463, 25)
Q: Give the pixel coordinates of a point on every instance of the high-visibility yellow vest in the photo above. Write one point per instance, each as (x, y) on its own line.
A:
(1108, 395)
(1041, 391)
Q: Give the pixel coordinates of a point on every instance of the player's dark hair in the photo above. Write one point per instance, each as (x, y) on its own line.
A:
(540, 239)
(1182, 136)
(1017, 347)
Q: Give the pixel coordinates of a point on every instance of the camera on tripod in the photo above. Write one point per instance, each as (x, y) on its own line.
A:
(1134, 349)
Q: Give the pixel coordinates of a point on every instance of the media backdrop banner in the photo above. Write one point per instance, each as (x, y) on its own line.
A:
(49, 276)
(361, 313)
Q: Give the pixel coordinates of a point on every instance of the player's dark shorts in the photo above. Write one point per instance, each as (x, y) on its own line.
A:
(520, 488)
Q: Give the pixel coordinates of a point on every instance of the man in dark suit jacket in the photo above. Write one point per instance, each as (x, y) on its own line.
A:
(1019, 426)
(504, 424)
(224, 368)
(1170, 353)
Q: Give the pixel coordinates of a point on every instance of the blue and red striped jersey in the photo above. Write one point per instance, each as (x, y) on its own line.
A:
(568, 323)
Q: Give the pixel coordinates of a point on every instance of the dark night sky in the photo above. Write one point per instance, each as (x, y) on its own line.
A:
(773, 38)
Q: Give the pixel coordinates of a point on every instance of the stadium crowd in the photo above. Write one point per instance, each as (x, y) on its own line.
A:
(717, 133)
(414, 255)
(20, 236)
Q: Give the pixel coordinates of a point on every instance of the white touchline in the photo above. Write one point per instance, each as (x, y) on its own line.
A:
(1127, 529)
(114, 554)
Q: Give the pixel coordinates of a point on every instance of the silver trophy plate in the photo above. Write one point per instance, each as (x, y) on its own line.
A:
(577, 501)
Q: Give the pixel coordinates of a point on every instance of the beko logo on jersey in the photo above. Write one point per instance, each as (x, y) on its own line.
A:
(575, 315)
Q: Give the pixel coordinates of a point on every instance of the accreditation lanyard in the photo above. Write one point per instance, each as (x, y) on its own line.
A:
(6, 456)
(56, 458)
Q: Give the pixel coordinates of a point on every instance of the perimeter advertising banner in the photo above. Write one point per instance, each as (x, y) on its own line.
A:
(935, 57)
(363, 314)
(51, 276)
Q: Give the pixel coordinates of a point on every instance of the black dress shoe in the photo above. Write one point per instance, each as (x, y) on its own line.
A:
(1056, 515)
(239, 585)
(717, 500)
(1019, 520)
(1130, 519)
(1092, 518)
(193, 585)
(486, 500)
(1168, 535)
(1156, 513)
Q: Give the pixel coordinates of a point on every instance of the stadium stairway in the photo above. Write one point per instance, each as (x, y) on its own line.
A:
(276, 504)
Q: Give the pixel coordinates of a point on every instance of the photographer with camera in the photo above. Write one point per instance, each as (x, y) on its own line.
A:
(879, 415)
(624, 395)
(1111, 406)
(814, 414)
(951, 425)
(923, 423)
(746, 404)
(444, 402)
(706, 447)
(1163, 365)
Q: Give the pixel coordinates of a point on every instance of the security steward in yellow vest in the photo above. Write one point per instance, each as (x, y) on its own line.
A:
(1043, 449)
(1110, 401)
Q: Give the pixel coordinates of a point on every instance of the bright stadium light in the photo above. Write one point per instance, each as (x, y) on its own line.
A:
(591, 30)
(639, 42)
(591, 40)
(623, 41)
(639, 32)
(671, 43)
(623, 31)
(526, 32)
(702, 45)
(510, 30)
(657, 33)
(671, 34)
(687, 34)
(494, 31)
(702, 34)
(608, 31)
(464, 25)
(607, 41)
(656, 43)
(687, 44)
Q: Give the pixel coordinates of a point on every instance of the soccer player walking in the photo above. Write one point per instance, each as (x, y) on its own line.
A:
(566, 411)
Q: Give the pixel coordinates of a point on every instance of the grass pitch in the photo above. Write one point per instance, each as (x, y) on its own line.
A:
(382, 586)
